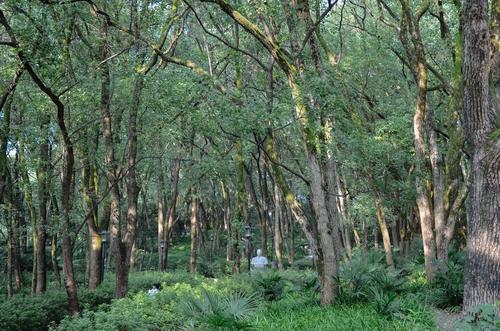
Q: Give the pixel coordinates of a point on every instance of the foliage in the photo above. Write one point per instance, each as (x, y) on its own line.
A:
(24, 312)
(270, 285)
(447, 289)
(298, 313)
(481, 317)
(213, 312)
(385, 303)
(133, 313)
(274, 300)
(365, 276)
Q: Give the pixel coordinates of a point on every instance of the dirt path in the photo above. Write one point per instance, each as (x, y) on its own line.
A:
(445, 320)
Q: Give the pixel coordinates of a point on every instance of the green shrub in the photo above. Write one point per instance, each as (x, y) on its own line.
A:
(385, 303)
(270, 285)
(24, 312)
(213, 312)
(137, 312)
(447, 289)
(480, 317)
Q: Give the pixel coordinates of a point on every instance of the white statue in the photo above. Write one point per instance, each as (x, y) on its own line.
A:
(259, 262)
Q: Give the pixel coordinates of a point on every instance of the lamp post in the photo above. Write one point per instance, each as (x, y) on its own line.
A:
(248, 236)
(162, 260)
(104, 240)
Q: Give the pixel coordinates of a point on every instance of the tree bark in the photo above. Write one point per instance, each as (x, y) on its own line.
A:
(95, 242)
(127, 238)
(278, 220)
(161, 217)
(383, 226)
(43, 171)
(194, 232)
(482, 267)
(172, 210)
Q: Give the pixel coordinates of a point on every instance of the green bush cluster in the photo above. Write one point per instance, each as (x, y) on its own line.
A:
(371, 296)
(26, 312)
(136, 312)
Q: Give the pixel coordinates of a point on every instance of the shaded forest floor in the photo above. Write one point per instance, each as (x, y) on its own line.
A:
(445, 320)
(371, 297)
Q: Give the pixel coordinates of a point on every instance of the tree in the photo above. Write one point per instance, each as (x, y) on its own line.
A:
(480, 117)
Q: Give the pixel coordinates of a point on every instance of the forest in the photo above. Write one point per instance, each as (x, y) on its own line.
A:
(249, 165)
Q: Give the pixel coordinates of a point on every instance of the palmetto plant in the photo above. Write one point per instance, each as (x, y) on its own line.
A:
(213, 312)
(270, 285)
(385, 303)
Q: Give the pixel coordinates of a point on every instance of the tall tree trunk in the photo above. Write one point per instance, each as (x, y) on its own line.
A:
(437, 189)
(6, 181)
(161, 217)
(43, 171)
(264, 217)
(11, 251)
(278, 220)
(116, 244)
(95, 242)
(28, 197)
(53, 255)
(66, 173)
(54, 243)
(344, 216)
(67, 247)
(127, 238)
(327, 261)
(261, 210)
(327, 257)
(482, 267)
(171, 211)
(423, 203)
(194, 232)
(227, 222)
(410, 26)
(383, 227)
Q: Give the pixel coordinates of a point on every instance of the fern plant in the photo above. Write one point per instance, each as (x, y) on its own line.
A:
(448, 287)
(385, 303)
(213, 312)
(270, 285)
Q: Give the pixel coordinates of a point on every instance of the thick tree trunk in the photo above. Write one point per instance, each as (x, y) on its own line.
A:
(327, 262)
(117, 247)
(127, 234)
(423, 203)
(482, 267)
